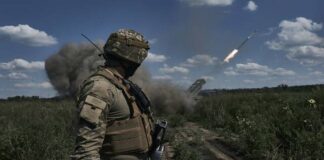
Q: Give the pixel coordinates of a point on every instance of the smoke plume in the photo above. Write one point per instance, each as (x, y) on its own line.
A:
(73, 63)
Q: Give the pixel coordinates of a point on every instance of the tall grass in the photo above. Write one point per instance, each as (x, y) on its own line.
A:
(36, 130)
(269, 125)
(262, 125)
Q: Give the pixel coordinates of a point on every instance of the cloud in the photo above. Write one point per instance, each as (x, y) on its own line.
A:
(282, 72)
(21, 64)
(17, 75)
(184, 81)
(299, 32)
(153, 41)
(208, 2)
(151, 57)
(175, 69)
(200, 59)
(163, 77)
(251, 6)
(269, 31)
(248, 81)
(257, 70)
(308, 55)
(25, 34)
(43, 85)
(230, 71)
(299, 40)
(317, 73)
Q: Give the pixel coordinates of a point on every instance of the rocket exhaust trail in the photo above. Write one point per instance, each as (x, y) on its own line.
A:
(232, 54)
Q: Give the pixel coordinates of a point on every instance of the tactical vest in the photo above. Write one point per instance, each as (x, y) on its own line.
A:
(129, 136)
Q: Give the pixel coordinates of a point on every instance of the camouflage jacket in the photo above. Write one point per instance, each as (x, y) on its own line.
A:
(99, 102)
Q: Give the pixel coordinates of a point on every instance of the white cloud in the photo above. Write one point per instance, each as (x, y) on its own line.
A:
(299, 32)
(152, 41)
(248, 81)
(253, 69)
(257, 70)
(299, 40)
(308, 55)
(151, 57)
(269, 31)
(175, 69)
(21, 64)
(251, 6)
(17, 75)
(43, 85)
(163, 77)
(230, 71)
(184, 81)
(208, 2)
(317, 73)
(25, 34)
(200, 59)
(282, 72)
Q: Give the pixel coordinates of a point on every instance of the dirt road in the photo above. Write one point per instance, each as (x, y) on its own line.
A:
(208, 143)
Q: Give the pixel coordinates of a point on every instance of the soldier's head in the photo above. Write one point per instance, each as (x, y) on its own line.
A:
(126, 48)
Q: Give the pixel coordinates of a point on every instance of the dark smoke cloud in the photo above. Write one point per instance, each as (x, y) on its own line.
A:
(70, 66)
(73, 63)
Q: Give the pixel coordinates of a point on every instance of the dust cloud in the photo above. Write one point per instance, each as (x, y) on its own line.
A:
(73, 63)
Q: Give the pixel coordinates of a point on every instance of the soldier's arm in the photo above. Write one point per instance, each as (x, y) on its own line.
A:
(95, 98)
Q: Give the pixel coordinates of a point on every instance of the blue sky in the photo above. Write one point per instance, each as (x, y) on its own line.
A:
(189, 39)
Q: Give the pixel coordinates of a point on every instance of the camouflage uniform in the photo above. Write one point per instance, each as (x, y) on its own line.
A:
(111, 124)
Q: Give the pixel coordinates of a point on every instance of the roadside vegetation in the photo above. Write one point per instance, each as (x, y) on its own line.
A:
(285, 124)
(265, 124)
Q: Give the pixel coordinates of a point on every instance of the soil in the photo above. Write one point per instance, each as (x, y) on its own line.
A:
(210, 144)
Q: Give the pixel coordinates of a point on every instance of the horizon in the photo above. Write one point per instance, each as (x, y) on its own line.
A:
(189, 40)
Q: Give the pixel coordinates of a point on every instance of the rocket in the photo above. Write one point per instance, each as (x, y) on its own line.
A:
(232, 54)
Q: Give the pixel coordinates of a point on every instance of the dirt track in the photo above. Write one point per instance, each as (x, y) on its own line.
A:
(211, 145)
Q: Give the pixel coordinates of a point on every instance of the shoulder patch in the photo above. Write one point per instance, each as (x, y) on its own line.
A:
(90, 114)
(96, 102)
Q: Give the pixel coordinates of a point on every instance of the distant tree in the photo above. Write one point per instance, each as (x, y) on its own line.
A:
(282, 86)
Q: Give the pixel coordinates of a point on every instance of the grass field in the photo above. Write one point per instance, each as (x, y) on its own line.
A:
(36, 130)
(260, 125)
(268, 125)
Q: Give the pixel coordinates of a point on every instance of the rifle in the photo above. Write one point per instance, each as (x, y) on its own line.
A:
(157, 149)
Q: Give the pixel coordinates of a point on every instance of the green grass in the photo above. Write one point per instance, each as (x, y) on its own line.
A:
(268, 125)
(36, 130)
(262, 125)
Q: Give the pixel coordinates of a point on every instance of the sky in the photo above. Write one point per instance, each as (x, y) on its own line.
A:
(189, 40)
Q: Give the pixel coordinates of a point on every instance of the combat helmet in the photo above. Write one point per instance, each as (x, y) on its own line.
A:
(127, 44)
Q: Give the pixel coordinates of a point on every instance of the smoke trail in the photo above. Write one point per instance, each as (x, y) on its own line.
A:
(73, 63)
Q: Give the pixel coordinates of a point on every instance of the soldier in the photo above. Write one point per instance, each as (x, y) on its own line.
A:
(115, 122)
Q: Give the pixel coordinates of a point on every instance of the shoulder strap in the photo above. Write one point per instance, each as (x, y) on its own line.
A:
(109, 76)
(119, 84)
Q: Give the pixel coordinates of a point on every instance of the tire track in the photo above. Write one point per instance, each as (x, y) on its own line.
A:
(210, 141)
